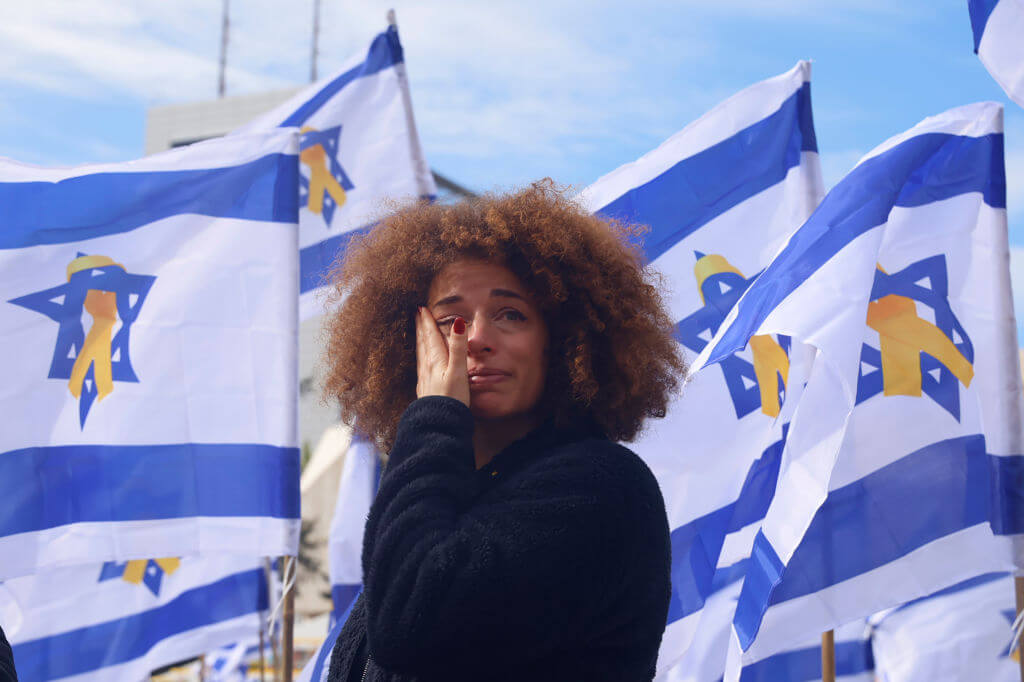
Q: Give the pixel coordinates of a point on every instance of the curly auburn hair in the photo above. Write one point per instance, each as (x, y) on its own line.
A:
(611, 359)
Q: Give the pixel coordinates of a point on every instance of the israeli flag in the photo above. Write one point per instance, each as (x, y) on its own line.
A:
(998, 26)
(318, 667)
(360, 151)
(802, 663)
(360, 475)
(902, 466)
(149, 360)
(119, 621)
(960, 633)
(720, 197)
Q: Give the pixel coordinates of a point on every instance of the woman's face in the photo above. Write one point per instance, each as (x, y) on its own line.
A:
(506, 335)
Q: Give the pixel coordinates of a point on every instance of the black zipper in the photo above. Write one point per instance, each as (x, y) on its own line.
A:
(365, 668)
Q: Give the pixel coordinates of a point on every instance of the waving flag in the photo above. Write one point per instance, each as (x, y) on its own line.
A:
(359, 477)
(149, 326)
(360, 150)
(902, 467)
(720, 197)
(853, 655)
(119, 621)
(998, 26)
(960, 633)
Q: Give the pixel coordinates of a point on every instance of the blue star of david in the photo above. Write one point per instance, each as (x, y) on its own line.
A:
(152, 577)
(937, 381)
(1010, 615)
(328, 139)
(64, 305)
(721, 291)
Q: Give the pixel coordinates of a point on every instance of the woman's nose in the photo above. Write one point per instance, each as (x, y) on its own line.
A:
(478, 339)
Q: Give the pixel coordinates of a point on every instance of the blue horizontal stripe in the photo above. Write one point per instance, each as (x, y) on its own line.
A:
(90, 206)
(697, 545)
(385, 51)
(317, 260)
(929, 494)
(924, 169)
(126, 639)
(800, 665)
(980, 11)
(47, 487)
(703, 186)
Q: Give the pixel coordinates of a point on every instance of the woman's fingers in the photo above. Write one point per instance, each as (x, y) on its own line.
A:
(440, 365)
(433, 341)
(457, 374)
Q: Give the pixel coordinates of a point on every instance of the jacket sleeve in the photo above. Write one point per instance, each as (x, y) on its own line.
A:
(448, 583)
(7, 673)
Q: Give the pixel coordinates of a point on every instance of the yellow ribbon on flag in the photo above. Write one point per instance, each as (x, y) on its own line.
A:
(320, 179)
(903, 337)
(135, 571)
(102, 305)
(769, 357)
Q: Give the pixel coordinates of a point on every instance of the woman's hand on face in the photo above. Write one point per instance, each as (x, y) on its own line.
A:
(441, 367)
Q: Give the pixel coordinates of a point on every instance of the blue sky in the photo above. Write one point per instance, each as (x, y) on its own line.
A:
(504, 91)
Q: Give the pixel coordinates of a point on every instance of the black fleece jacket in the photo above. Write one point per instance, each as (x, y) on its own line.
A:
(550, 563)
(7, 673)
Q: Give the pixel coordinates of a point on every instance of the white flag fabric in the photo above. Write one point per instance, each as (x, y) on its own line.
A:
(358, 485)
(960, 633)
(119, 621)
(720, 198)
(998, 26)
(150, 356)
(360, 149)
(902, 467)
(231, 663)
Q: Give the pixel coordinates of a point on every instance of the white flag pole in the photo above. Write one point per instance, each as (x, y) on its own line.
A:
(415, 149)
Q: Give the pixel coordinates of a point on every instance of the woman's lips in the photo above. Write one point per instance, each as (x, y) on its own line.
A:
(487, 377)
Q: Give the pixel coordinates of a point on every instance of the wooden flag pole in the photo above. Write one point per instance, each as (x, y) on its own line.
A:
(828, 656)
(263, 662)
(288, 619)
(1018, 588)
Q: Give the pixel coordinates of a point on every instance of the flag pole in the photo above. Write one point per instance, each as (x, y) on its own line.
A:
(263, 662)
(1018, 588)
(316, 41)
(421, 169)
(222, 80)
(288, 619)
(828, 656)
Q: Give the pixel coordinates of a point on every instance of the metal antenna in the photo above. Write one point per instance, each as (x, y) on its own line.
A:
(221, 84)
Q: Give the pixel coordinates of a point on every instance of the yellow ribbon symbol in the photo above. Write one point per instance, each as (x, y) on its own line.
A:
(903, 337)
(770, 359)
(102, 305)
(320, 179)
(135, 570)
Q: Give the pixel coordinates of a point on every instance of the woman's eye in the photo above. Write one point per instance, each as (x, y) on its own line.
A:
(446, 322)
(511, 314)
